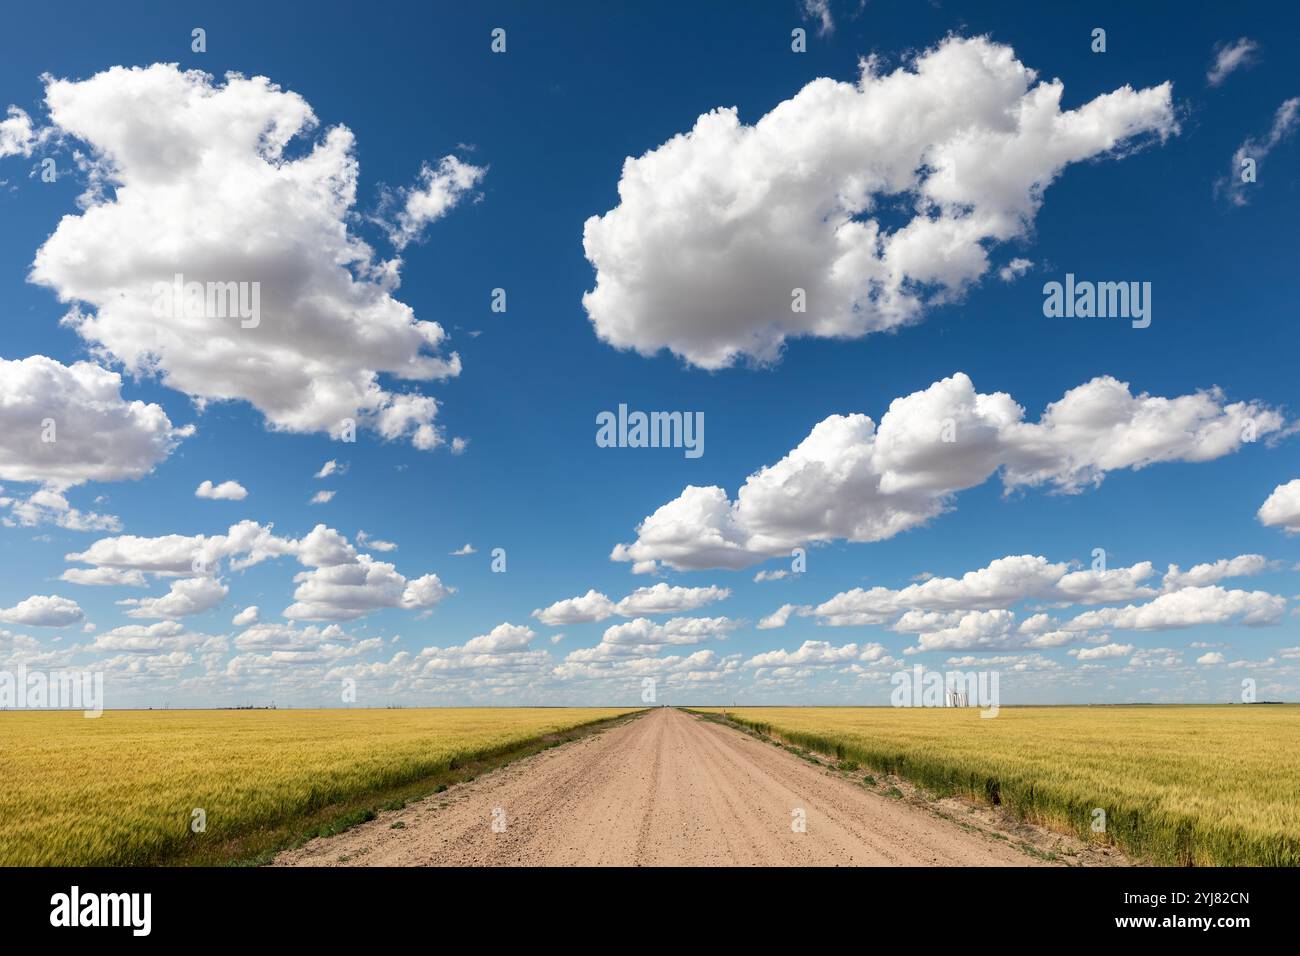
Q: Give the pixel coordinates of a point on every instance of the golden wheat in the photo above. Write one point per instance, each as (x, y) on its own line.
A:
(123, 788)
(1201, 785)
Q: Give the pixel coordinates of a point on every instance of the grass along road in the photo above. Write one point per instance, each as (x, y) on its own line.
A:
(1179, 785)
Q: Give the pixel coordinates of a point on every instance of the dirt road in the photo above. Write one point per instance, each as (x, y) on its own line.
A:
(664, 789)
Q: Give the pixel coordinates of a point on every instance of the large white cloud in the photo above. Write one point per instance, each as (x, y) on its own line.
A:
(62, 425)
(852, 480)
(717, 226)
(227, 183)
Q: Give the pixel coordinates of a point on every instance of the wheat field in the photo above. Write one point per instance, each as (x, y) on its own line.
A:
(1183, 785)
(122, 788)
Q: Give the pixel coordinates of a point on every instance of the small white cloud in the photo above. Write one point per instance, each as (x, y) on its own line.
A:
(465, 549)
(321, 498)
(440, 188)
(246, 617)
(374, 544)
(1230, 57)
(1014, 269)
(226, 491)
(17, 138)
(1285, 122)
(778, 618)
(820, 10)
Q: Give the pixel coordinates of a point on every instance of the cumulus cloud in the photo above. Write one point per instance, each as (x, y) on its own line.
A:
(343, 592)
(973, 611)
(185, 596)
(464, 550)
(248, 616)
(777, 618)
(322, 498)
(62, 425)
(852, 480)
(1188, 607)
(1242, 566)
(364, 540)
(226, 491)
(17, 137)
(718, 226)
(665, 599)
(1102, 652)
(1229, 57)
(1282, 508)
(162, 637)
(592, 606)
(275, 199)
(1001, 584)
(47, 506)
(438, 189)
(815, 654)
(642, 640)
(243, 545)
(974, 630)
(643, 633)
(43, 610)
(662, 598)
(701, 668)
(1285, 121)
(820, 10)
(104, 577)
(1014, 269)
(504, 648)
(330, 467)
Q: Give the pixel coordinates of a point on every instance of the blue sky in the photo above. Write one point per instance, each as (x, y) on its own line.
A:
(550, 121)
